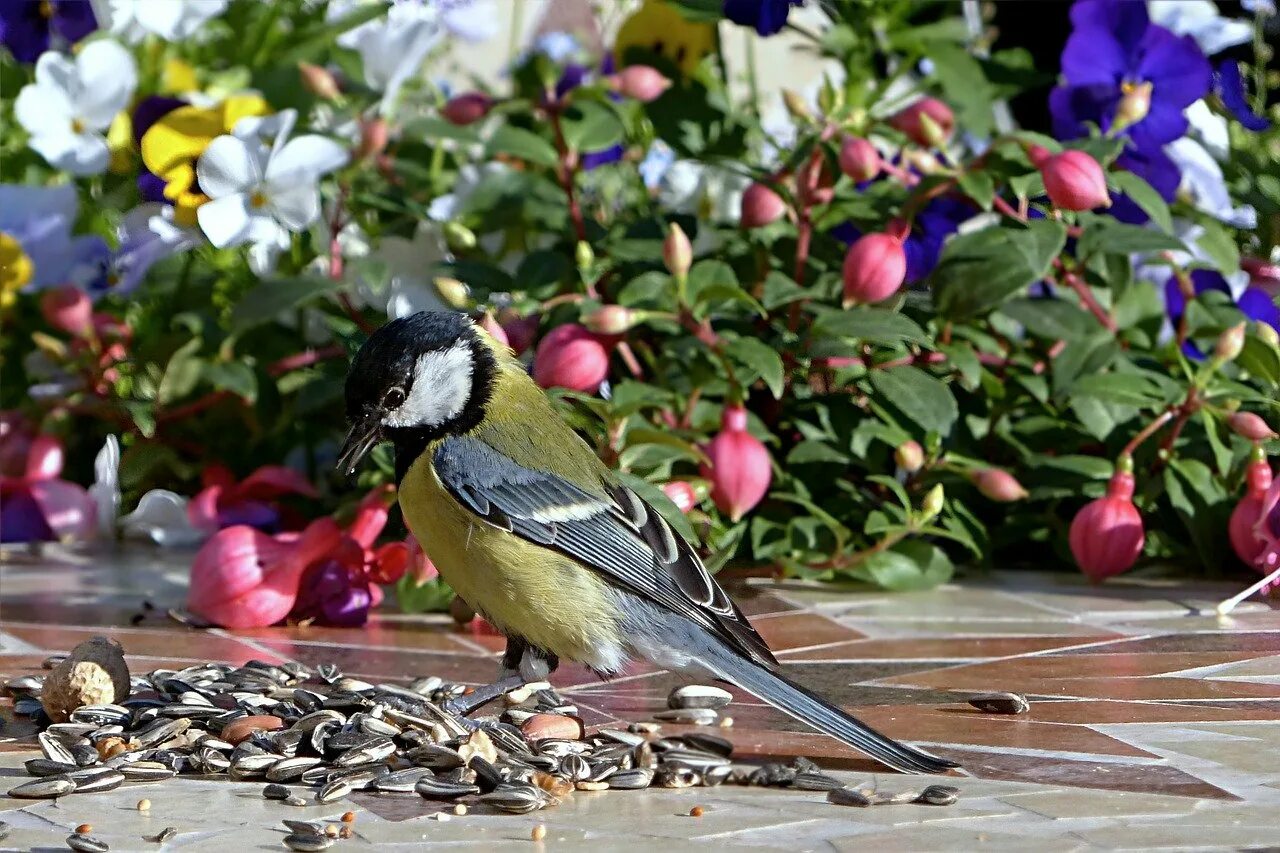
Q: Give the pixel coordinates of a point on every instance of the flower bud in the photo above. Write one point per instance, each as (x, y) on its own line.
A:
(681, 493)
(997, 485)
(928, 122)
(491, 325)
(1248, 512)
(1074, 181)
(677, 252)
(521, 331)
(1262, 274)
(932, 504)
(1230, 343)
(467, 108)
(318, 81)
(760, 206)
(1106, 536)
(874, 269)
(453, 292)
(796, 106)
(571, 357)
(67, 309)
(459, 237)
(1267, 333)
(1250, 426)
(641, 82)
(373, 137)
(611, 319)
(740, 469)
(1134, 105)
(909, 456)
(859, 159)
(583, 255)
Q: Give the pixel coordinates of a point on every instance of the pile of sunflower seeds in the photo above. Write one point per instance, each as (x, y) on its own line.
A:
(316, 735)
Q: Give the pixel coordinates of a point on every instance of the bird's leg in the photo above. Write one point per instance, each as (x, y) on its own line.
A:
(521, 663)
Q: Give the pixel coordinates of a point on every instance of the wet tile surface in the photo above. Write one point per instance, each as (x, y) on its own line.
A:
(1154, 723)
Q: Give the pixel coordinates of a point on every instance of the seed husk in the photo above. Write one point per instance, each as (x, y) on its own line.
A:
(810, 781)
(288, 769)
(275, 792)
(690, 716)
(294, 800)
(303, 827)
(699, 696)
(308, 842)
(1000, 703)
(883, 798)
(47, 788)
(47, 767)
(145, 771)
(436, 788)
(87, 843)
(848, 797)
(163, 835)
(515, 799)
(334, 791)
(939, 795)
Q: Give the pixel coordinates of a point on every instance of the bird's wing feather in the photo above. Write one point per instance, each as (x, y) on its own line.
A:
(615, 532)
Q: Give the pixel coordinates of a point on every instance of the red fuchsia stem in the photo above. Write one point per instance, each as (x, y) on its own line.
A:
(1188, 296)
(1086, 297)
(1008, 210)
(900, 174)
(629, 359)
(566, 174)
(1149, 430)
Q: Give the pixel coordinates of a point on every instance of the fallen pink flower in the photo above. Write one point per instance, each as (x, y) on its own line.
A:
(35, 504)
(253, 501)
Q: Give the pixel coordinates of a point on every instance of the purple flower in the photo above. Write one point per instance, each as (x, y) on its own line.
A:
(574, 76)
(768, 17)
(328, 594)
(932, 226)
(1156, 168)
(1114, 58)
(1228, 84)
(27, 26)
(1255, 303)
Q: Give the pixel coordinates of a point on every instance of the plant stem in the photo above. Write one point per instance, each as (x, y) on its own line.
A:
(1089, 301)
(1149, 430)
(566, 172)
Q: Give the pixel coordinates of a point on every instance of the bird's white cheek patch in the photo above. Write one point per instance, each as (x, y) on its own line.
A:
(440, 390)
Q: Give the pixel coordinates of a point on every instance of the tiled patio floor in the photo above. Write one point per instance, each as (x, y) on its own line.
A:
(1154, 723)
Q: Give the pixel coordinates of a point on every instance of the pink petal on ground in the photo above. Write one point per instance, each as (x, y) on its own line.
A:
(203, 509)
(44, 459)
(272, 481)
(67, 508)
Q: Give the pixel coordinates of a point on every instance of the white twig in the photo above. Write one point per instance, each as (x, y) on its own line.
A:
(1227, 606)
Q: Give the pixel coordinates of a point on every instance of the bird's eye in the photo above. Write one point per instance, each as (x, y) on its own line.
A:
(393, 398)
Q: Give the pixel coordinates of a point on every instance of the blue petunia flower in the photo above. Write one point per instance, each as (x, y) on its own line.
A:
(27, 27)
(768, 17)
(1254, 302)
(1228, 84)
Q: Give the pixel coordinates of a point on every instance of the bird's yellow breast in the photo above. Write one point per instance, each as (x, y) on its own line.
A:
(522, 588)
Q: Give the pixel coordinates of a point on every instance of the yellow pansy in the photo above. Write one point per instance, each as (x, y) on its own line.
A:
(171, 146)
(178, 77)
(120, 142)
(16, 269)
(658, 26)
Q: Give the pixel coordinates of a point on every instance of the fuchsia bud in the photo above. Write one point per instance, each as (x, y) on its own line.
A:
(611, 319)
(761, 206)
(859, 159)
(928, 122)
(677, 252)
(874, 269)
(373, 137)
(1230, 343)
(740, 469)
(1262, 274)
(909, 456)
(1250, 426)
(1073, 180)
(67, 309)
(520, 330)
(491, 325)
(467, 108)
(571, 357)
(1248, 512)
(318, 81)
(681, 493)
(997, 485)
(641, 82)
(1106, 536)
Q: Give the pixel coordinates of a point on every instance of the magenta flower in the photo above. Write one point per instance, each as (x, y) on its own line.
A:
(254, 501)
(35, 504)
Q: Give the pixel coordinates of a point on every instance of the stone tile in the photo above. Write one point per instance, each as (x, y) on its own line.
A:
(1080, 804)
(1002, 836)
(174, 644)
(785, 631)
(928, 627)
(938, 648)
(1173, 836)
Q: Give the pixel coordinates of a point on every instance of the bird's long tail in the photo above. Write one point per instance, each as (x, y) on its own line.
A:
(809, 708)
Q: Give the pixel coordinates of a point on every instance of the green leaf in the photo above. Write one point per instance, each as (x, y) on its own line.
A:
(1202, 505)
(306, 44)
(1144, 196)
(875, 325)
(181, 374)
(964, 84)
(266, 299)
(980, 270)
(1218, 243)
(910, 565)
(759, 357)
(710, 272)
(1050, 318)
(433, 596)
(1104, 234)
(1123, 388)
(816, 451)
(780, 289)
(144, 416)
(523, 144)
(234, 376)
(979, 186)
(722, 292)
(1260, 359)
(918, 396)
(591, 126)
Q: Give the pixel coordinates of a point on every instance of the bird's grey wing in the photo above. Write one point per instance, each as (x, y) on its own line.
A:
(621, 535)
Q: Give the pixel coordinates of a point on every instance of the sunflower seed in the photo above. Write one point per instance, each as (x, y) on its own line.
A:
(575, 768)
(145, 771)
(880, 798)
(304, 827)
(374, 751)
(288, 769)
(848, 797)
(515, 799)
(435, 788)
(436, 757)
(691, 716)
(275, 792)
(699, 696)
(163, 835)
(91, 780)
(811, 781)
(24, 684)
(1000, 703)
(87, 843)
(714, 776)
(334, 791)
(939, 795)
(47, 767)
(708, 743)
(43, 789)
(308, 842)
(4, 830)
(631, 780)
(400, 781)
(676, 777)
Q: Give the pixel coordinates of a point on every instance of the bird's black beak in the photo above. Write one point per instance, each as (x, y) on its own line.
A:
(364, 434)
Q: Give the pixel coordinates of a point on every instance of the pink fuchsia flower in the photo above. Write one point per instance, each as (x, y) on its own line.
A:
(398, 559)
(491, 325)
(35, 504)
(677, 251)
(682, 494)
(1250, 426)
(254, 501)
(874, 269)
(467, 108)
(641, 82)
(928, 122)
(67, 309)
(740, 468)
(761, 206)
(244, 578)
(1262, 274)
(1073, 180)
(997, 485)
(1107, 535)
(1243, 528)
(571, 357)
(859, 159)
(520, 331)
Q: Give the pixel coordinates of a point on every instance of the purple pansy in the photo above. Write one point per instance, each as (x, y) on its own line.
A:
(929, 231)
(27, 27)
(1228, 84)
(1255, 303)
(328, 594)
(768, 17)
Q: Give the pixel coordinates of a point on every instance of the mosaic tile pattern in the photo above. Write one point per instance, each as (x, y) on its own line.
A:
(1154, 722)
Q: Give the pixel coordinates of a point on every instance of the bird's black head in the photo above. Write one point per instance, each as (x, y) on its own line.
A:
(416, 379)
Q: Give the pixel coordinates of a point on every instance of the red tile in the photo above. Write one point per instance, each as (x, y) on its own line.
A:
(176, 642)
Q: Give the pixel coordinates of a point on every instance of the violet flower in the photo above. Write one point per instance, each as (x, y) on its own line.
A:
(767, 17)
(27, 28)
(1254, 302)
(1228, 85)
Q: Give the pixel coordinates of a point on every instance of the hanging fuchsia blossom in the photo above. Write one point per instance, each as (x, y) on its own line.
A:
(740, 469)
(571, 357)
(1107, 534)
(1247, 516)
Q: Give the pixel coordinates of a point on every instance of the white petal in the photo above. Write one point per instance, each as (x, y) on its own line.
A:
(105, 490)
(296, 206)
(43, 109)
(161, 517)
(108, 76)
(310, 154)
(475, 20)
(1210, 128)
(78, 153)
(55, 71)
(263, 256)
(229, 166)
(225, 221)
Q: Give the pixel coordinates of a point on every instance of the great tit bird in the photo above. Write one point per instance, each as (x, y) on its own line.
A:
(526, 524)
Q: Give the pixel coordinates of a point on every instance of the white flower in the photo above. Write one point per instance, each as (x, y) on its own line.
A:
(411, 286)
(161, 516)
(1209, 129)
(73, 101)
(105, 491)
(1259, 7)
(261, 193)
(1202, 181)
(172, 20)
(1200, 20)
